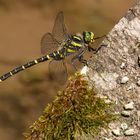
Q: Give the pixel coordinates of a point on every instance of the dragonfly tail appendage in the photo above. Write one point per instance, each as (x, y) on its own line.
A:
(23, 67)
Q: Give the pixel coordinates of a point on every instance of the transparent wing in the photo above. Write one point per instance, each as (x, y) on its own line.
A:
(58, 71)
(76, 65)
(59, 30)
(48, 44)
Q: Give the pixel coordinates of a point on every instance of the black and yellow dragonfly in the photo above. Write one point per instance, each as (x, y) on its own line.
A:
(58, 45)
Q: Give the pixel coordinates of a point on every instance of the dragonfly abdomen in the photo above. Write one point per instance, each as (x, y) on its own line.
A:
(25, 66)
(57, 55)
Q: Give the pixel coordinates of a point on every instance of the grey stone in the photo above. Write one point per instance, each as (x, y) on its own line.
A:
(129, 132)
(126, 113)
(138, 81)
(116, 132)
(124, 126)
(129, 106)
(124, 80)
(122, 65)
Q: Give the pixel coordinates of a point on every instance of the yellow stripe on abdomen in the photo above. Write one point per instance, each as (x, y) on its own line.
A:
(48, 57)
(36, 61)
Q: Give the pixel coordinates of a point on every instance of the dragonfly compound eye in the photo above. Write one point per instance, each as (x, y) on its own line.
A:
(88, 37)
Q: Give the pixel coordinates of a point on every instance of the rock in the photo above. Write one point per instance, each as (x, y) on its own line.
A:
(124, 126)
(138, 81)
(116, 132)
(126, 113)
(129, 106)
(124, 80)
(139, 60)
(129, 132)
(122, 65)
(84, 70)
(107, 139)
(130, 88)
(138, 117)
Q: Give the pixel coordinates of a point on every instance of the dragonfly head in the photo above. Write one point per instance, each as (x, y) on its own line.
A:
(88, 37)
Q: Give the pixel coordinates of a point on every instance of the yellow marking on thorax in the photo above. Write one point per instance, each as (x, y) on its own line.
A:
(76, 37)
(70, 46)
(0, 80)
(70, 51)
(76, 44)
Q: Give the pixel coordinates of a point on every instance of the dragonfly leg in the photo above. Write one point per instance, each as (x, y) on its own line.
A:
(79, 56)
(95, 50)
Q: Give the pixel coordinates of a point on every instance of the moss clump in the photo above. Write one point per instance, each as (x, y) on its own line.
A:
(77, 109)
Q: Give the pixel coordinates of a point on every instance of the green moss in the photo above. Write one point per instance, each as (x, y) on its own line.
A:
(76, 109)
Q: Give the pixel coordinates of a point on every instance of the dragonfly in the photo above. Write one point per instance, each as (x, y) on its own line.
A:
(57, 46)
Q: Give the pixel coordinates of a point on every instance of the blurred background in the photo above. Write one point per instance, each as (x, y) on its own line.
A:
(22, 24)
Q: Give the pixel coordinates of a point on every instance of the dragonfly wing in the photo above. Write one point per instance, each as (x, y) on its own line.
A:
(59, 30)
(58, 71)
(48, 44)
